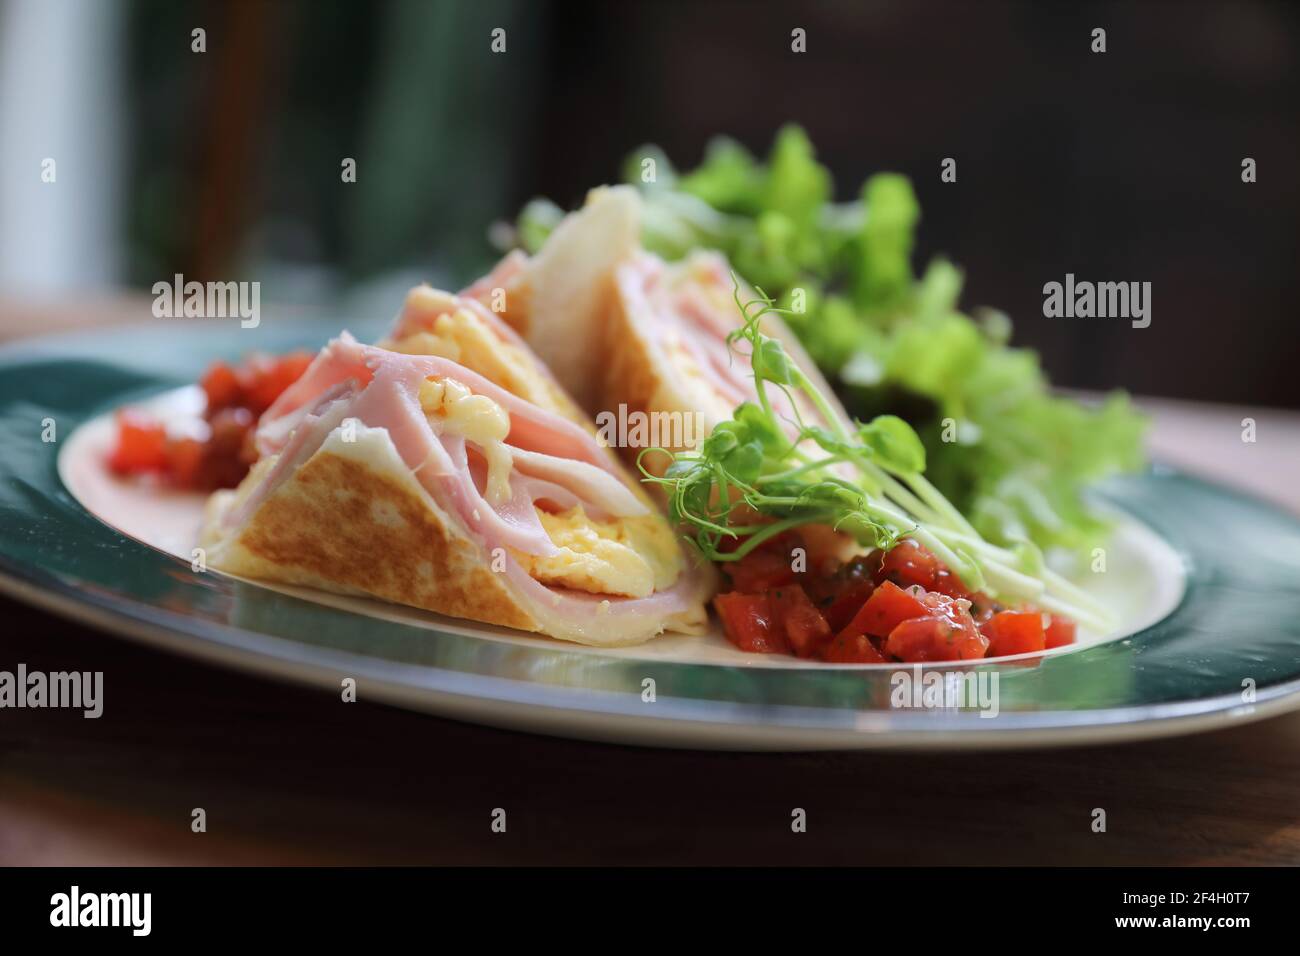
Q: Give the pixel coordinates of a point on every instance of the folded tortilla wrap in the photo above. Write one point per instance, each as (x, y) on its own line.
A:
(418, 480)
(655, 355)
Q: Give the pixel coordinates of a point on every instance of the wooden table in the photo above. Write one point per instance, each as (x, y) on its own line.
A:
(291, 775)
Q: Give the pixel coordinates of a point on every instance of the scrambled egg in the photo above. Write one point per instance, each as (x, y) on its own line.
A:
(478, 419)
(464, 338)
(624, 556)
(633, 557)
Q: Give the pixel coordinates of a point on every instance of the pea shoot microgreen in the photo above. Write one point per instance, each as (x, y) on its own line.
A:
(763, 472)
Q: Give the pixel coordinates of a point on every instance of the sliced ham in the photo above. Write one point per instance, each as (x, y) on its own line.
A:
(344, 359)
(677, 307)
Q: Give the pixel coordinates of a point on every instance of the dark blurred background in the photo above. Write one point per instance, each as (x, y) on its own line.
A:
(1117, 166)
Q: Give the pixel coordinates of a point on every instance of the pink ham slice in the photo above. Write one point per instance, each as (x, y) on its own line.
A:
(683, 308)
(503, 273)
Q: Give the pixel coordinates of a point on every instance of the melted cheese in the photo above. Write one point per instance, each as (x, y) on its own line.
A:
(632, 557)
(478, 419)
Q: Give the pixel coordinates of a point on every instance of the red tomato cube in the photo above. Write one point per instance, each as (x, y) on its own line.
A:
(843, 609)
(760, 570)
(802, 624)
(1015, 632)
(141, 444)
(939, 638)
(909, 563)
(1060, 632)
(748, 622)
(768, 566)
(852, 649)
(185, 458)
(888, 606)
(221, 385)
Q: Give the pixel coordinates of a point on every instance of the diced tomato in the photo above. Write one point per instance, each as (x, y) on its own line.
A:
(852, 649)
(760, 571)
(272, 377)
(1060, 632)
(843, 608)
(902, 605)
(1015, 632)
(888, 606)
(768, 566)
(831, 580)
(227, 460)
(229, 425)
(185, 462)
(982, 608)
(802, 624)
(747, 620)
(945, 582)
(937, 638)
(141, 444)
(909, 563)
(919, 639)
(221, 385)
(293, 365)
(236, 396)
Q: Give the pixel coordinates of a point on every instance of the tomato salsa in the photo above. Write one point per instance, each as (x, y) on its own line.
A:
(897, 605)
(221, 455)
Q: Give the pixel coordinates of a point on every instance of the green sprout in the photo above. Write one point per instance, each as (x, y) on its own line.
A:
(762, 473)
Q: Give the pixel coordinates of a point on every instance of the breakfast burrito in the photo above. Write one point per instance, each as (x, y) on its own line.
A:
(464, 485)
